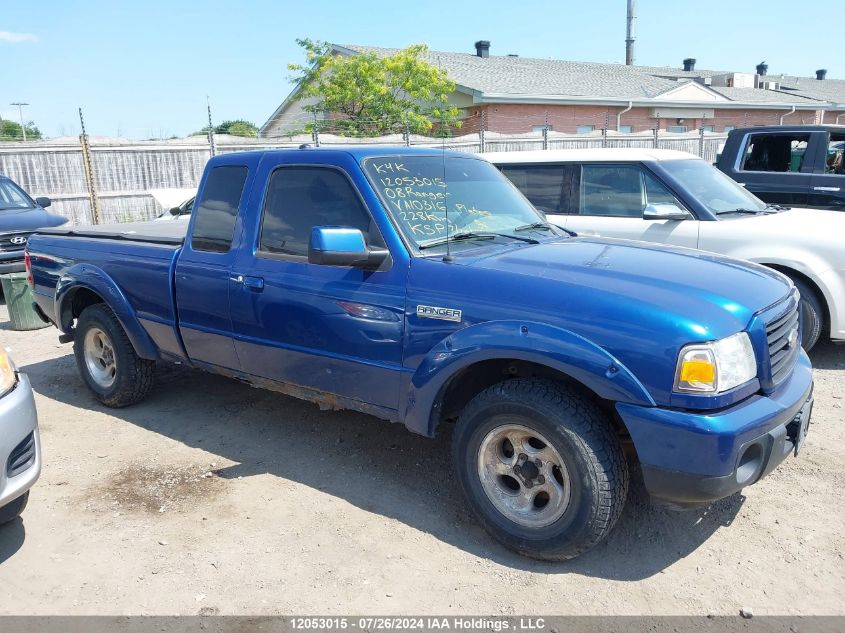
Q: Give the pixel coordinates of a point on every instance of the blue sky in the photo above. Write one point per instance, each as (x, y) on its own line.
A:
(143, 69)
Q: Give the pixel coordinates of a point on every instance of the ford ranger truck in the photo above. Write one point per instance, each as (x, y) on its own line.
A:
(419, 286)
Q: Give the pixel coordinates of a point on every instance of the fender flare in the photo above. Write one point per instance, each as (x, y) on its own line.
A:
(88, 277)
(557, 348)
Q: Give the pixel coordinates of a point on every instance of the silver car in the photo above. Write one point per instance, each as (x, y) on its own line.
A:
(20, 446)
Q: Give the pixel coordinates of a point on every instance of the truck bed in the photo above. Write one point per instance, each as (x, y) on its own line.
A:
(172, 233)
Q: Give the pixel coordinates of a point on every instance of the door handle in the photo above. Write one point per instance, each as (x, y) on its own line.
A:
(256, 284)
(238, 279)
(826, 188)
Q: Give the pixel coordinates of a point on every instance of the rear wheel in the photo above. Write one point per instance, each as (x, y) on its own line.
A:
(541, 467)
(14, 509)
(107, 361)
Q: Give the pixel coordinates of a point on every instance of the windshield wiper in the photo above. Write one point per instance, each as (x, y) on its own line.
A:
(544, 226)
(777, 207)
(746, 211)
(458, 237)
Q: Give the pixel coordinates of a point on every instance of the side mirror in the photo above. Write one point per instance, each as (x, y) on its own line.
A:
(343, 246)
(43, 202)
(664, 212)
(175, 211)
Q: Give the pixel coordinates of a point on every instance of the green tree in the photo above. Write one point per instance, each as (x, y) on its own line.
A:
(370, 95)
(11, 131)
(237, 127)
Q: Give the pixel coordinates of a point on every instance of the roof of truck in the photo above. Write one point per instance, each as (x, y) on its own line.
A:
(632, 154)
(358, 151)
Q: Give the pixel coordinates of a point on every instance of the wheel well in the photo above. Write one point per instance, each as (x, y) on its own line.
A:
(472, 380)
(81, 299)
(794, 274)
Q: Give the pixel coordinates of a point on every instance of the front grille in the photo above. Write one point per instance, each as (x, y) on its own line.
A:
(13, 241)
(22, 457)
(784, 340)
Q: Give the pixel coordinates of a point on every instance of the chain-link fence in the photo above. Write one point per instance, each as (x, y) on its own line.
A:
(94, 179)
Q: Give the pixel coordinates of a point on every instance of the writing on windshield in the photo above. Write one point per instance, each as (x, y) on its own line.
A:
(431, 195)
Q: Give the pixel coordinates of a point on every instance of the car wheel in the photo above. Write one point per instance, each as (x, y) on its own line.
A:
(13, 510)
(811, 314)
(107, 361)
(541, 466)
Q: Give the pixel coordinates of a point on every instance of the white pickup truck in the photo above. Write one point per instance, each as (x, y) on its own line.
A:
(676, 198)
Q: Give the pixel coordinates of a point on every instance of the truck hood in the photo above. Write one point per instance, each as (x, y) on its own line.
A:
(712, 292)
(21, 220)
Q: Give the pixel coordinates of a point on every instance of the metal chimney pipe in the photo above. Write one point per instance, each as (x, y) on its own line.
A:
(689, 64)
(821, 73)
(629, 40)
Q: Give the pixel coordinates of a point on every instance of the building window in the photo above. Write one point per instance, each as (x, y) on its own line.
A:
(708, 128)
(728, 128)
(677, 129)
(539, 129)
(585, 129)
(626, 129)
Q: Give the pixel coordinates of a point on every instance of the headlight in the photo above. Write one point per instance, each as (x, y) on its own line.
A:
(716, 367)
(7, 373)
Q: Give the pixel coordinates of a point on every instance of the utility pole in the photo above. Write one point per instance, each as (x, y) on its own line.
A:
(210, 127)
(629, 41)
(20, 105)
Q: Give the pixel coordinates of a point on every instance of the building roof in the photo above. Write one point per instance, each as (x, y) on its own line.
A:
(509, 78)
(511, 75)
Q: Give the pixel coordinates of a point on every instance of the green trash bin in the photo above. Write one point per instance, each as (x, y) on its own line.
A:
(18, 296)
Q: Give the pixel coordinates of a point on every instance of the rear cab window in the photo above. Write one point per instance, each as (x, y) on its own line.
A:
(217, 210)
(774, 152)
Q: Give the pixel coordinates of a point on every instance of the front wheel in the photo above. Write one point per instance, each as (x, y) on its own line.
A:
(14, 509)
(107, 361)
(812, 314)
(541, 467)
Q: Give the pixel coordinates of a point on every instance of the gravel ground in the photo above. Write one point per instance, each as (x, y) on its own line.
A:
(212, 497)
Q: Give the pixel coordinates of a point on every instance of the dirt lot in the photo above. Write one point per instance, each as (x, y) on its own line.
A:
(211, 496)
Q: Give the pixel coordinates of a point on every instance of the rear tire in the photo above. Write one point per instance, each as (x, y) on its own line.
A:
(14, 509)
(107, 361)
(541, 466)
(812, 314)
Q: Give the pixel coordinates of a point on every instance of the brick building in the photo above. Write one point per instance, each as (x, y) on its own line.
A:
(511, 94)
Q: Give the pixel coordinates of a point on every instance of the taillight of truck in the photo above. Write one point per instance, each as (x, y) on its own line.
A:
(27, 262)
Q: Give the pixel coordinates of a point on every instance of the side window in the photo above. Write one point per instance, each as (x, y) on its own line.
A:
(775, 152)
(612, 190)
(657, 193)
(217, 210)
(835, 158)
(300, 198)
(541, 184)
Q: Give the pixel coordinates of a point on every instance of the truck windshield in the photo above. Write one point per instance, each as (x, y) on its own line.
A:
(481, 204)
(712, 188)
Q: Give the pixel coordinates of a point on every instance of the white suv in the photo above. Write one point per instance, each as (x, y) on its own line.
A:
(676, 198)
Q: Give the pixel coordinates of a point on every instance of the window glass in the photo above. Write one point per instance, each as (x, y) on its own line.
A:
(728, 128)
(541, 184)
(657, 193)
(12, 198)
(775, 152)
(626, 129)
(677, 129)
(835, 161)
(217, 211)
(710, 187)
(585, 129)
(612, 190)
(300, 198)
(708, 128)
(432, 196)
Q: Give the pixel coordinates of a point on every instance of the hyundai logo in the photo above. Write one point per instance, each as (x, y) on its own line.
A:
(18, 239)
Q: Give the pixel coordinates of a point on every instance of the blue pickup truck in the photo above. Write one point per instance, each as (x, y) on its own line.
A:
(419, 286)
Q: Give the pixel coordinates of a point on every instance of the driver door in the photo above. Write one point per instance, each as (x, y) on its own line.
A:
(608, 200)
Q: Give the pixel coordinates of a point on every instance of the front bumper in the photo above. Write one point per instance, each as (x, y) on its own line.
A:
(694, 458)
(18, 421)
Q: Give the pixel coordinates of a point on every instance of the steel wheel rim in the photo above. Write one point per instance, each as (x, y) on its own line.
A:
(100, 357)
(523, 476)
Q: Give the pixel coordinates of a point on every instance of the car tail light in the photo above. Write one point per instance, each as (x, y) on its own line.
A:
(27, 262)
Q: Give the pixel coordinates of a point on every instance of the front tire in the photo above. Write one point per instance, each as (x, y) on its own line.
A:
(541, 466)
(811, 314)
(116, 375)
(14, 509)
